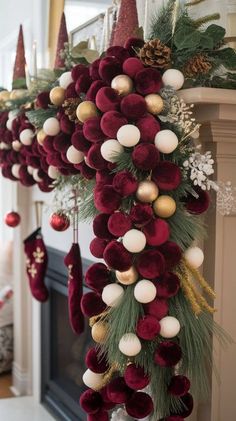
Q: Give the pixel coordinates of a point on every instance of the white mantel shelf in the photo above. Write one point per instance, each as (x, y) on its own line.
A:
(208, 96)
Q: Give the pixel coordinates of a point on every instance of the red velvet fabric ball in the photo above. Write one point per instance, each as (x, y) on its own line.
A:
(148, 81)
(83, 84)
(150, 264)
(93, 90)
(107, 99)
(104, 177)
(111, 122)
(48, 144)
(97, 276)
(119, 223)
(107, 403)
(167, 354)
(109, 67)
(148, 328)
(43, 100)
(95, 159)
(149, 126)
(133, 106)
(95, 362)
(139, 406)
(117, 257)
(141, 214)
(6, 172)
(94, 69)
(197, 205)
(97, 247)
(187, 405)
(61, 142)
(125, 183)
(107, 200)
(167, 175)
(172, 254)
(132, 66)
(25, 178)
(179, 385)
(70, 91)
(100, 415)
(118, 391)
(134, 43)
(67, 126)
(157, 308)
(100, 227)
(85, 170)
(168, 286)
(157, 232)
(78, 70)
(92, 304)
(145, 156)
(80, 142)
(92, 130)
(119, 52)
(91, 401)
(135, 377)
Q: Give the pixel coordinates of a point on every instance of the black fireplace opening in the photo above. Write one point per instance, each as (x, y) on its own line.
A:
(62, 351)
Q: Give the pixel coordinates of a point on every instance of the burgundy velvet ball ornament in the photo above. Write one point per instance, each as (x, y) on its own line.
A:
(119, 52)
(179, 386)
(93, 90)
(167, 354)
(119, 223)
(149, 126)
(135, 377)
(133, 106)
(95, 362)
(61, 142)
(25, 178)
(148, 81)
(67, 126)
(95, 159)
(125, 183)
(111, 122)
(150, 264)
(168, 286)
(172, 254)
(86, 171)
(91, 401)
(157, 232)
(80, 142)
(118, 391)
(158, 308)
(97, 247)
(132, 66)
(139, 406)
(100, 415)
(107, 200)
(145, 156)
(107, 99)
(92, 304)
(187, 405)
(97, 276)
(94, 69)
(82, 84)
(167, 175)
(141, 214)
(107, 403)
(132, 44)
(78, 70)
(117, 257)
(109, 67)
(104, 177)
(148, 328)
(92, 130)
(70, 91)
(197, 205)
(100, 227)
(48, 144)
(43, 100)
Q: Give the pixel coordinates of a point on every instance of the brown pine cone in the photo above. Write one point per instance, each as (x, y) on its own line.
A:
(155, 54)
(198, 64)
(70, 105)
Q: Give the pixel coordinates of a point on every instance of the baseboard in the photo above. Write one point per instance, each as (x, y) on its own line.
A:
(21, 381)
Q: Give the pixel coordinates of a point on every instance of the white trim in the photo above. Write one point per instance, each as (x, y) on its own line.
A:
(21, 381)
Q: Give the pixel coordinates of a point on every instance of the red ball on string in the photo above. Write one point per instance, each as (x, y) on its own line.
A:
(12, 219)
(59, 221)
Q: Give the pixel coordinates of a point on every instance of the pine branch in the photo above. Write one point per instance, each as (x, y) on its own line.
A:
(194, 3)
(39, 116)
(124, 163)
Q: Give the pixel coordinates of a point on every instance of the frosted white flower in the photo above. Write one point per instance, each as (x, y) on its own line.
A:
(200, 167)
(226, 198)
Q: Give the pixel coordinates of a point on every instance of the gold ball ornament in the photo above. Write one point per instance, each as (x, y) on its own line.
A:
(18, 93)
(57, 96)
(99, 332)
(154, 103)
(86, 110)
(41, 136)
(4, 95)
(147, 191)
(164, 206)
(128, 277)
(122, 84)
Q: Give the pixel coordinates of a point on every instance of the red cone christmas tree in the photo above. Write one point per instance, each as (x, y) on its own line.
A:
(62, 38)
(127, 23)
(19, 67)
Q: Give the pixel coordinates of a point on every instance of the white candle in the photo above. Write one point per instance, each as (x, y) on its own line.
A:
(27, 77)
(34, 60)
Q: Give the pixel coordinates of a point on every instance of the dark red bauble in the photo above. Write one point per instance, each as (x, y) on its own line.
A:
(109, 67)
(95, 159)
(172, 254)
(100, 415)
(111, 122)
(45, 187)
(118, 391)
(157, 308)
(134, 43)
(119, 52)
(59, 221)
(149, 126)
(48, 144)
(168, 286)
(107, 99)
(132, 66)
(91, 401)
(187, 405)
(100, 227)
(197, 205)
(95, 362)
(94, 69)
(85, 170)
(61, 142)
(93, 90)
(167, 175)
(117, 257)
(12, 219)
(82, 84)
(125, 183)
(135, 377)
(150, 264)
(78, 70)
(119, 223)
(133, 106)
(43, 100)
(107, 403)
(80, 142)
(139, 406)
(104, 177)
(70, 91)
(92, 130)
(25, 178)
(92, 304)
(157, 232)
(179, 385)
(107, 200)
(148, 328)
(97, 247)
(145, 156)
(67, 126)
(97, 276)
(148, 81)
(141, 214)
(167, 354)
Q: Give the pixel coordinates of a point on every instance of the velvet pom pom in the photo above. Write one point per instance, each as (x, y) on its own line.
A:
(100, 227)
(107, 403)
(43, 100)
(95, 159)
(70, 91)
(150, 264)
(119, 52)
(179, 385)
(135, 377)
(141, 214)
(132, 66)
(145, 156)
(197, 205)
(82, 84)
(95, 362)
(148, 81)
(109, 67)
(167, 175)
(67, 126)
(104, 177)
(100, 415)
(93, 90)
(94, 69)
(149, 126)
(117, 257)
(92, 130)
(97, 247)
(97, 276)
(111, 122)
(91, 401)
(78, 70)
(119, 223)
(187, 405)
(61, 142)
(85, 170)
(125, 183)
(133, 106)
(132, 44)
(167, 354)
(107, 200)
(157, 308)
(118, 391)
(107, 99)
(48, 144)
(168, 286)
(157, 232)
(80, 142)
(139, 406)
(92, 304)
(148, 328)
(172, 254)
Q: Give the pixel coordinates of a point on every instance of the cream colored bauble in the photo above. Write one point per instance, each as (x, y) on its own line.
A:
(194, 257)
(110, 149)
(4, 95)
(166, 141)
(15, 170)
(128, 277)
(170, 327)
(51, 126)
(13, 114)
(41, 136)
(53, 172)
(65, 80)
(16, 145)
(74, 156)
(145, 291)
(9, 123)
(173, 78)
(92, 380)
(130, 345)
(134, 241)
(30, 169)
(18, 94)
(57, 95)
(36, 176)
(147, 191)
(122, 84)
(128, 135)
(26, 137)
(164, 206)
(112, 294)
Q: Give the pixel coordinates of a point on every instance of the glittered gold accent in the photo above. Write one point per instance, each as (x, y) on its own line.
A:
(32, 270)
(70, 105)
(38, 254)
(108, 376)
(97, 318)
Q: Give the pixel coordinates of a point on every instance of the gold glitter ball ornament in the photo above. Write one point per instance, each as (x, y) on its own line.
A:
(164, 206)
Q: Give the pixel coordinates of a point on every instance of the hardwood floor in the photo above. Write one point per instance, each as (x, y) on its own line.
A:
(5, 384)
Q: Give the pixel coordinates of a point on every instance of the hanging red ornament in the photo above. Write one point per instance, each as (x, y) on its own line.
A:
(12, 219)
(59, 221)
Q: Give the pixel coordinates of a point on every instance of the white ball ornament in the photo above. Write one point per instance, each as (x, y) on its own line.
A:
(16, 145)
(194, 257)
(145, 291)
(173, 78)
(15, 170)
(53, 172)
(134, 241)
(92, 380)
(74, 156)
(9, 123)
(65, 80)
(30, 169)
(166, 141)
(170, 327)
(128, 135)
(110, 149)
(26, 137)
(112, 294)
(51, 126)
(36, 176)
(130, 345)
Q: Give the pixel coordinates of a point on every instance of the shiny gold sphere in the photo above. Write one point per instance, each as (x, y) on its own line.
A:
(41, 136)
(85, 110)
(57, 96)
(4, 95)
(147, 191)
(154, 103)
(128, 277)
(18, 93)
(164, 206)
(99, 332)
(122, 84)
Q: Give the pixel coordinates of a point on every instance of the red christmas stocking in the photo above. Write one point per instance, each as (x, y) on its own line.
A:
(75, 288)
(36, 264)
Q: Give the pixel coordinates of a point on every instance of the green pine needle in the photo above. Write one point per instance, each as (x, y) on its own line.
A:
(39, 116)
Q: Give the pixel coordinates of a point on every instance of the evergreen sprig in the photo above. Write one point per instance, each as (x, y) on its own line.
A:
(39, 116)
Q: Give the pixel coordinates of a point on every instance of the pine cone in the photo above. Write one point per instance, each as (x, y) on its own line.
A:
(70, 105)
(198, 64)
(155, 54)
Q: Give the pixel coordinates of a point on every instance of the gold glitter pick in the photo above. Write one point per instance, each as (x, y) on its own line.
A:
(98, 317)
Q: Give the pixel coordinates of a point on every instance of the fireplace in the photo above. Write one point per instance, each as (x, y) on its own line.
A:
(62, 351)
